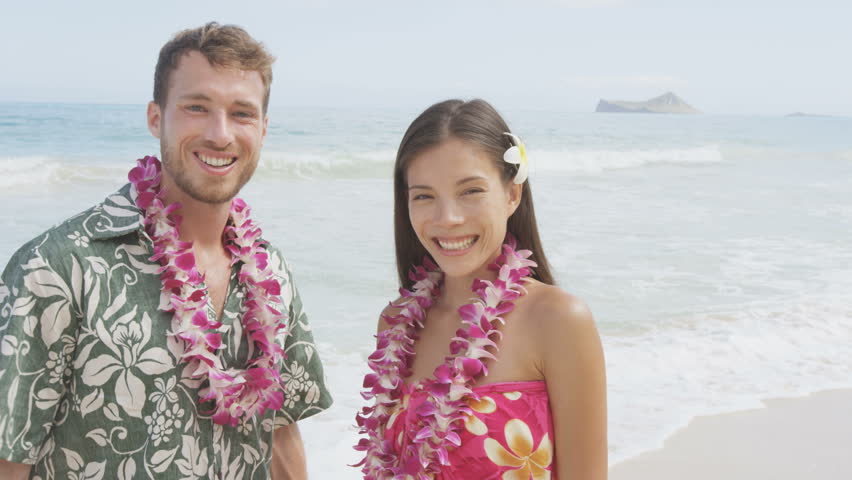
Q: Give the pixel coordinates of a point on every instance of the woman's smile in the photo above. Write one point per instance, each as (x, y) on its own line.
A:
(453, 246)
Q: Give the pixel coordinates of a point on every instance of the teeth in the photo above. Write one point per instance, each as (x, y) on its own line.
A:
(215, 161)
(457, 245)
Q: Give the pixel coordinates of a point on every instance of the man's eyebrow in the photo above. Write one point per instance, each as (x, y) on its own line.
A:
(246, 104)
(195, 96)
(201, 96)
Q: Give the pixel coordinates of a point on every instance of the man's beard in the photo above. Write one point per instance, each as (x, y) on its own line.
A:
(214, 190)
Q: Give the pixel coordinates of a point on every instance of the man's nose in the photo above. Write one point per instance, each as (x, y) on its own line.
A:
(218, 130)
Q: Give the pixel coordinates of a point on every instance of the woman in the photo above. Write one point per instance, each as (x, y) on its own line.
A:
(510, 383)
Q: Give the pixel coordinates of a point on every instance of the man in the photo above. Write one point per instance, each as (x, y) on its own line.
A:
(127, 353)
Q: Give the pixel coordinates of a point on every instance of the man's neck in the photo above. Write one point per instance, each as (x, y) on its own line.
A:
(201, 223)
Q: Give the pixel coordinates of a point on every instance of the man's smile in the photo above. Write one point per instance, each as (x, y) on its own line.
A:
(216, 160)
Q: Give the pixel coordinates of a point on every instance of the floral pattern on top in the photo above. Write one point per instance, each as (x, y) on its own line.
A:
(508, 435)
(520, 456)
(472, 423)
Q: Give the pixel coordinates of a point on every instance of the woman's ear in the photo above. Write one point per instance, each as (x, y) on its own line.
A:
(515, 194)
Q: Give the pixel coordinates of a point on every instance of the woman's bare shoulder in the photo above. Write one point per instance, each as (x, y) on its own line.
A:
(555, 310)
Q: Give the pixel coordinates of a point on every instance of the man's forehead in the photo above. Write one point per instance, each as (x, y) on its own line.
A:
(196, 77)
(195, 60)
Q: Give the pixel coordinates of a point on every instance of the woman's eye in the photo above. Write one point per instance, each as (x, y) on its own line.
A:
(471, 191)
(195, 108)
(421, 196)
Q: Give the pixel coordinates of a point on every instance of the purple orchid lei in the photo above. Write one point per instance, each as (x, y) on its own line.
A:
(440, 417)
(236, 393)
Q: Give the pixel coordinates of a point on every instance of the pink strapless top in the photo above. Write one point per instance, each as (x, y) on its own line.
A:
(508, 437)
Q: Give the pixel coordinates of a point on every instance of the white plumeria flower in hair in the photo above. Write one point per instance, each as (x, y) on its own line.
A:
(517, 155)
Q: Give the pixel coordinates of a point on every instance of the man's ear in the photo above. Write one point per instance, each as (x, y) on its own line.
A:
(265, 125)
(515, 194)
(155, 118)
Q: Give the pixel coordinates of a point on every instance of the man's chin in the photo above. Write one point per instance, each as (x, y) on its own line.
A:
(211, 191)
(211, 195)
(213, 198)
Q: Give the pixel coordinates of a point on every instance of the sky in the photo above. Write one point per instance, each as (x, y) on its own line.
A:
(722, 56)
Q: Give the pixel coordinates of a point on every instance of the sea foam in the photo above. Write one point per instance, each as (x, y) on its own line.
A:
(27, 172)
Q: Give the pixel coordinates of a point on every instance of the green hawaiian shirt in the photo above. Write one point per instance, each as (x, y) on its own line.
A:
(90, 382)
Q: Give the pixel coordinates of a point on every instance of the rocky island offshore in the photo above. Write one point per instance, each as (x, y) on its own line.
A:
(665, 103)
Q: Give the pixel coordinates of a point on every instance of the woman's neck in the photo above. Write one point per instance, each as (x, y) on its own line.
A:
(457, 291)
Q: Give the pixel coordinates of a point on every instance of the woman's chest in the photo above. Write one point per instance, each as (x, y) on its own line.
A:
(514, 350)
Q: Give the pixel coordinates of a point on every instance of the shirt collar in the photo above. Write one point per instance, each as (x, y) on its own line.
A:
(119, 215)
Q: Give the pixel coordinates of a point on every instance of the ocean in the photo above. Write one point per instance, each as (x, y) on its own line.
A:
(713, 250)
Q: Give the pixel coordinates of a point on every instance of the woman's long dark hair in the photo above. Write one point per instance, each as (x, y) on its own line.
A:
(478, 122)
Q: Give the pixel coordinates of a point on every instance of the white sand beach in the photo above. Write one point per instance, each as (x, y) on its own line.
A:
(797, 438)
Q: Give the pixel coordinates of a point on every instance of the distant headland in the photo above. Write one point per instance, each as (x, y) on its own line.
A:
(665, 103)
(803, 114)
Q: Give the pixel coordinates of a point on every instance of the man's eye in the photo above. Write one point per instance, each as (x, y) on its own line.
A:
(243, 114)
(471, 191)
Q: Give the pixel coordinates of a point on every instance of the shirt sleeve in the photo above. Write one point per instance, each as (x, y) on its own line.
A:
(305, 390)
(38, 301)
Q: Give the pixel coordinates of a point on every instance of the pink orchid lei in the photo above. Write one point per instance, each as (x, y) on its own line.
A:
(236, 393)
(439, 418)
